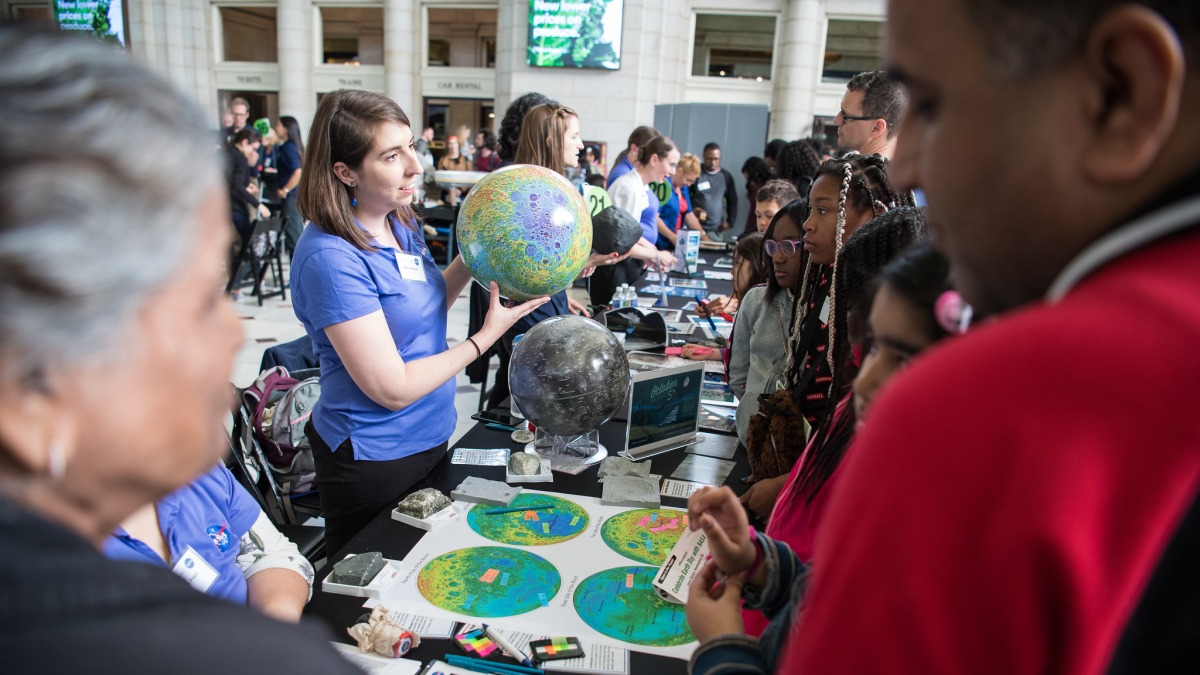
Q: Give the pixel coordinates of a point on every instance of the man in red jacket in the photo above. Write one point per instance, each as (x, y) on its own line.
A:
(1024, 497)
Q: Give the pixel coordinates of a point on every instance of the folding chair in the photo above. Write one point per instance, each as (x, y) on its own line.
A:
(283, 508)
(308, 538)
(262, 251)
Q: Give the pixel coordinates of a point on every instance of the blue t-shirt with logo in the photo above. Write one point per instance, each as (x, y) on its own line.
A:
(333, 282)
(209, 515)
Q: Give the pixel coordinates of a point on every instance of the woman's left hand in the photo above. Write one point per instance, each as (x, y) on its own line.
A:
(713, 603)
(501, 317)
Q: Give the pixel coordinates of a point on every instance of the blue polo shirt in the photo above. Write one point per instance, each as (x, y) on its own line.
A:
(333, 282)
(287, 161)
(210, 515)
(623, 167)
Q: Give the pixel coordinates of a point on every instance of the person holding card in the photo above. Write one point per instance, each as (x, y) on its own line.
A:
(374, 304)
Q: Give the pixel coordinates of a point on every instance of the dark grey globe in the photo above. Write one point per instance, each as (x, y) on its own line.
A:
(568, 375)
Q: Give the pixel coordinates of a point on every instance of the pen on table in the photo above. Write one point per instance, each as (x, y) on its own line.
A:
(711, 323)
(494, 667)
(508, 648)
(499, 427)
(517, 509)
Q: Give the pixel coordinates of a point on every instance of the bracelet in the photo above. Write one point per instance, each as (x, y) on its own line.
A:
(478, 351)
(758, 556)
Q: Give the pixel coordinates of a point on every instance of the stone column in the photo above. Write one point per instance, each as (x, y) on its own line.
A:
(297, 96)
(797, 70)
(402, 36)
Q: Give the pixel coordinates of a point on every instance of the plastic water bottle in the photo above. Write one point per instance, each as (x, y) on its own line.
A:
(623, 297)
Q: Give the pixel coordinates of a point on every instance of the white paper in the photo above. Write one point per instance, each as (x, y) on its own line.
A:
(585, 561)
(480, 456)
(376, 664)
(679, 488)
(718, 276)
(597, 658)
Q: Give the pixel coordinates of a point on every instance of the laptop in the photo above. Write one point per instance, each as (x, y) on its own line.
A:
(664, 410)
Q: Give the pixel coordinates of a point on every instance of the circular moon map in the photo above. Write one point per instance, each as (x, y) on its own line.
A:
(644, 535)
(530, 527)
(621, 603)
(489, 581)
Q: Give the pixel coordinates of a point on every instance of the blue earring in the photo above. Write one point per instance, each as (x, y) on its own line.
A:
(353, 199)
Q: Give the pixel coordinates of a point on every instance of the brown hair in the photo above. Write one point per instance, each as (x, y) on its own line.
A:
(542, 133)
(344, 131)
(659, 145)
(777, 190)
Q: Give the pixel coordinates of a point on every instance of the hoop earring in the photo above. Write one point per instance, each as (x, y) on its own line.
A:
(56, 464)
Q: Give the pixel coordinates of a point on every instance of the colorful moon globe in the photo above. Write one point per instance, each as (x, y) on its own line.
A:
(526, 228)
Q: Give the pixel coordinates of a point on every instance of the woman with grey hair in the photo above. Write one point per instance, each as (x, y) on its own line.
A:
(115, 349)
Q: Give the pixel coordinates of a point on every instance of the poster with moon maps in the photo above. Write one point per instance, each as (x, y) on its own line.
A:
(563, 564)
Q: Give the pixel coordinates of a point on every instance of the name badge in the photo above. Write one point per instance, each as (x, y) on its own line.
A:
(411, 267)
(194, 569)
(702, 185)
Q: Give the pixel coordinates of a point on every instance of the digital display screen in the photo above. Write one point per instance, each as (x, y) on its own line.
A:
(575, 33)
(104, 19)
(664, 407)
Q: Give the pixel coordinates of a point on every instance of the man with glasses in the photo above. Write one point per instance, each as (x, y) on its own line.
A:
(240, 109)
(871, 110)
(714, 195)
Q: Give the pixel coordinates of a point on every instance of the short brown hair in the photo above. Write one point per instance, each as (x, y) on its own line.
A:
(659, 145)
(343, 131)
(776, 190)
(542, 133)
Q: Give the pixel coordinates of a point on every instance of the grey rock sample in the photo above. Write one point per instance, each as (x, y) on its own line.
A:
(524, 464)
(480, 491)
(568, 375)
(631, 491)
(619, 466)
(358, 570)
(423, 503)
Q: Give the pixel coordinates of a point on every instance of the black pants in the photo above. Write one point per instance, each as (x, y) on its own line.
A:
(293, 224)
(354, 491)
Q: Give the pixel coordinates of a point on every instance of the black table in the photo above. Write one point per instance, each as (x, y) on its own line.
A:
(394, 539)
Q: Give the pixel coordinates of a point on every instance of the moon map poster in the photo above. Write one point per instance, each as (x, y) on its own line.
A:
(565, 564)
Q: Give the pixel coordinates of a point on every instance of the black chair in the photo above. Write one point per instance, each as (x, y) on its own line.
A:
(261, 252)
(283, 508)
(309, 539)
(442, 219)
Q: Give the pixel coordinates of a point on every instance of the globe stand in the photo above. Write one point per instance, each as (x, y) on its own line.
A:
(578, 450)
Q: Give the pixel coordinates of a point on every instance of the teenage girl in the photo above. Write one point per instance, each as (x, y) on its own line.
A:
(762, 330)
(903, 321)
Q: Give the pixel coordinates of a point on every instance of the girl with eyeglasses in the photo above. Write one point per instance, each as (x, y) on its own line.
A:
(761, 331)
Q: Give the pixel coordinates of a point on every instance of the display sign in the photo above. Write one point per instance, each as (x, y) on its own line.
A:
(575, 34)
(103, 19)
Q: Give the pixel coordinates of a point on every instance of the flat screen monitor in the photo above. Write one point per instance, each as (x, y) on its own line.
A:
(664, 410)
(103, 19)
(575, 33)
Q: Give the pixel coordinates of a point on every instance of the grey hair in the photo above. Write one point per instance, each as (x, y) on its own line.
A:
(1029, 36)
(103, 166)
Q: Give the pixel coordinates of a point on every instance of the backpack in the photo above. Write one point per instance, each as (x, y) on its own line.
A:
(279, 406)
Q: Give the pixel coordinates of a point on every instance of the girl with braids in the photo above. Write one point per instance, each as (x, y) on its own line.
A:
(796, 513)
(906, 303)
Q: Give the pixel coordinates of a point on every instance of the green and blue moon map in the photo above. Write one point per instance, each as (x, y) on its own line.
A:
(564, 520)
(644, 535)
(622, 604)
(489, 581)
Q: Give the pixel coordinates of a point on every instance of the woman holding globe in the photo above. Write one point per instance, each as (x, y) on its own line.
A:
(374, 305)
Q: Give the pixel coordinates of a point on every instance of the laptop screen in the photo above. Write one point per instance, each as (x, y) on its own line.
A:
(664, 409)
